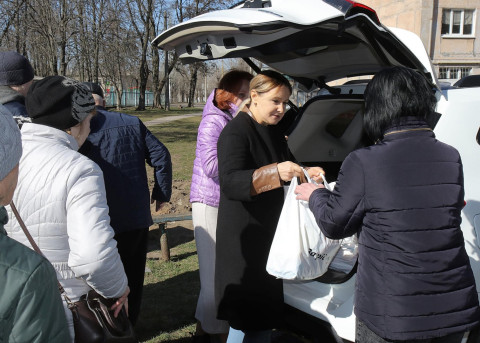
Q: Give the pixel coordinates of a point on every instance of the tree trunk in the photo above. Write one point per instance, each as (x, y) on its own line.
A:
(193, 84)
(163, 81)
(157, 96)
(94, 41)
(62, 44)
(119, 92)
(143, 85)
(145, 41)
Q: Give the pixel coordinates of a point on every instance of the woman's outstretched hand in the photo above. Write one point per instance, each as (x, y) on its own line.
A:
(288, 170)
(305, 190)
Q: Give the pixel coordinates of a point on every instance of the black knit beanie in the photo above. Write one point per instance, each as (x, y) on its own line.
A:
(15, 69)
(58, 102)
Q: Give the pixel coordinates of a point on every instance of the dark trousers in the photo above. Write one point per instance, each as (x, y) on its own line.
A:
(132, 247)
(365, 335)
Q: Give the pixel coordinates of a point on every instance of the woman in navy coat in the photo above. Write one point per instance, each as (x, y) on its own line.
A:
(404, 196)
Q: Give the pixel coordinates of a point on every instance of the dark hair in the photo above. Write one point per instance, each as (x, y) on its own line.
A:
(229, 86)
(394, 93)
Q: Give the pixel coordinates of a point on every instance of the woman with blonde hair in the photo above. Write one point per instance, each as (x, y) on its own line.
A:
(254, 162)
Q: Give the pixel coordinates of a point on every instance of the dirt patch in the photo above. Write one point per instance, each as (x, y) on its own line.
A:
(178, 232)
(179, 202)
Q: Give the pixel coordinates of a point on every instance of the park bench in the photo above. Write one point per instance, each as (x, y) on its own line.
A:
(162, 225)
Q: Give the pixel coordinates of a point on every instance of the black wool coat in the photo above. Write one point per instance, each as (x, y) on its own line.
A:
(404, 197)
(248, 297)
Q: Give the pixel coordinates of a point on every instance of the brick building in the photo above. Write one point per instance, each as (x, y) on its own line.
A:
(449, 29)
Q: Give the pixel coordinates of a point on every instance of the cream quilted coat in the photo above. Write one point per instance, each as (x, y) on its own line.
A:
(61, 198)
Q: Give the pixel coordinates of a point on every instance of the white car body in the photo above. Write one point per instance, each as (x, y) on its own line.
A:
(279, 37)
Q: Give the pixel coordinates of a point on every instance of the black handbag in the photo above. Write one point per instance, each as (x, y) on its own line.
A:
(93, 321)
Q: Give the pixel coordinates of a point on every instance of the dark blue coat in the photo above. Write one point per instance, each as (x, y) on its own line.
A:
(13, 101)
(121, 144)
(404, 197)
(17, 108)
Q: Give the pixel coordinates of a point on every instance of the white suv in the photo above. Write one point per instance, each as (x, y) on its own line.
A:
(317, 43)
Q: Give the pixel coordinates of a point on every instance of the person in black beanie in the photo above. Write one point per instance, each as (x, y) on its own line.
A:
(61, 194)
(16, 77)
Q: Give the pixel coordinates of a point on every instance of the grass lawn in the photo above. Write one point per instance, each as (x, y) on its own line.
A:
(171, 288)
(170, 297)
(180, 137)
(153, 113)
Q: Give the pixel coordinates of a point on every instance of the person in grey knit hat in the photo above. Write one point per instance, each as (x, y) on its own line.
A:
(16, 76)
(10, 153)
(30, 301)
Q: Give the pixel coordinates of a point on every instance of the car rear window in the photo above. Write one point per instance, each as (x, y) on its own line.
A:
(339, 124)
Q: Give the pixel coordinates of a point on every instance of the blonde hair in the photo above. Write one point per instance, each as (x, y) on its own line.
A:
(264, 82)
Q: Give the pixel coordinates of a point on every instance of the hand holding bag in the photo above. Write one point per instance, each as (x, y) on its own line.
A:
(299, 251)
(93, 321)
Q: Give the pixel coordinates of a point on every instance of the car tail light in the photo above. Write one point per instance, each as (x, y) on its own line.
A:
(361, 8)
(350, 7)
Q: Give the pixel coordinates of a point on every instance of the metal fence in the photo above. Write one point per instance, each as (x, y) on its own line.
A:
(129, 98)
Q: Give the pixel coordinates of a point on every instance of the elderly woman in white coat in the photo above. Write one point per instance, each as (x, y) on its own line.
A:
(61, 194)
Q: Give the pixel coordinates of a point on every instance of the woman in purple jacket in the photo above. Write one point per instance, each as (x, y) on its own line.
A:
(221, 106)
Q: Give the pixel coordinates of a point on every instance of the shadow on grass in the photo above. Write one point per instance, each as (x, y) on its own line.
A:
(182, 256)
(168, 306)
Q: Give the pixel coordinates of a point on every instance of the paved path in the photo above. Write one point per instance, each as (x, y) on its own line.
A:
(170, 118)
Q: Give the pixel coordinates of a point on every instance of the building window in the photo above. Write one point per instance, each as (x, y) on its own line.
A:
(453, 73)
(457, 22)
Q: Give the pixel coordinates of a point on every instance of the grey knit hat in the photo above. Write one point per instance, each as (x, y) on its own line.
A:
(94, 88)
(58, 102)
(10, 143)
(15, 69)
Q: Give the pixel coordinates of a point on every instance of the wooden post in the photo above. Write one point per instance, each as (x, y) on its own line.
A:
(164, 242)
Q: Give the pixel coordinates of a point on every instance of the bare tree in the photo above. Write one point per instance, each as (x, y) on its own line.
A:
(106, 41)
(119, 52)
(186, 9)
(12, 15)
(154, 23)
(91, 36)
(41, 21)
(140, 12)
(51, 24)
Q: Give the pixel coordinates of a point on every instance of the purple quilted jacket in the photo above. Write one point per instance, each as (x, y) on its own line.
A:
(205, 186)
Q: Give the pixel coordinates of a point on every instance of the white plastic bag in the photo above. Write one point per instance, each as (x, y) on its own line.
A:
(299, 251)
(346, 256)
